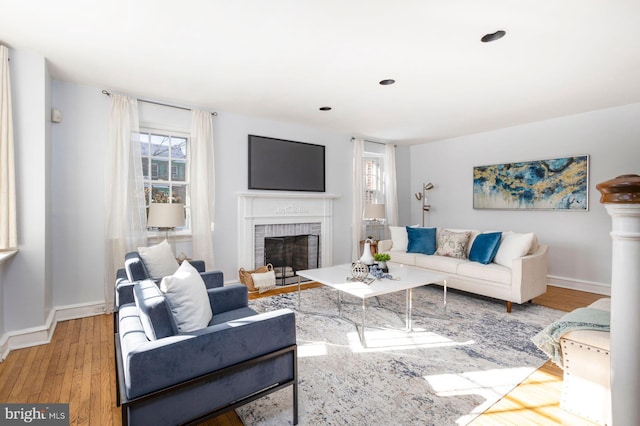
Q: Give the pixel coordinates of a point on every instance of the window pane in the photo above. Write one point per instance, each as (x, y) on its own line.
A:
(178, 147)
(145, 167)
(160, 146)
(160, 193)
(179, 193)
(144, 144)
(147, 194)
(159, 169)
(178, 170)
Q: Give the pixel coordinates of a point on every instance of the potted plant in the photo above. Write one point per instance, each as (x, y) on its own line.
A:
(382, 259)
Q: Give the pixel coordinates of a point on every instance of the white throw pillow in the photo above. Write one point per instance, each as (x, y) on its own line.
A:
(399, 237)
(159, 259)
(513, 246)
(187, 295)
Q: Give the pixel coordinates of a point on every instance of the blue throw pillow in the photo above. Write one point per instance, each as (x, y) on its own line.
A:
(485, 247)
(421, 240)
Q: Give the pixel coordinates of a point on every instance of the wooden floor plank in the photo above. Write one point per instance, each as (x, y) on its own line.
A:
(66, 382)
(10, 370)
(75, 396)
(57, 349)
(78, 367)
(39, 370)
(84, 404)
(18, 393)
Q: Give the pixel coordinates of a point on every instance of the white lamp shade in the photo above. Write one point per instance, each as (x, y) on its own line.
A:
(165, 215)
(374, 211)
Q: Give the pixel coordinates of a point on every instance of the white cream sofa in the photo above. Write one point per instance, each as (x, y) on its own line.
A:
(586, 385)
(524, 280)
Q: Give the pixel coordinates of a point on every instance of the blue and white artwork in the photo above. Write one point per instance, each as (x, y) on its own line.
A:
(557, 184)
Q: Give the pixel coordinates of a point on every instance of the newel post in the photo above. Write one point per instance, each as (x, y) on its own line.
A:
(621, 197)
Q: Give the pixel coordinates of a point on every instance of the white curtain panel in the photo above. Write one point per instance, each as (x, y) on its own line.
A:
(8, 228)
(390, 185)
(202, 186)
(125, 211)
(357, 191)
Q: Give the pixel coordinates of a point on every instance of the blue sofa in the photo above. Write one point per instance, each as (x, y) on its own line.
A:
(166, 377)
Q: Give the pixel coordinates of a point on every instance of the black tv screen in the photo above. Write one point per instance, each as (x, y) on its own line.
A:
(281, 165)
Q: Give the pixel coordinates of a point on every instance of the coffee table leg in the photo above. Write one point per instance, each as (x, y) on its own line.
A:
(445, 296)
(298, 292)
(408, 309)
(364, 310)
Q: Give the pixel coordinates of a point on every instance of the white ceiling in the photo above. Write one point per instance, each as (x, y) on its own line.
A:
(283, 60)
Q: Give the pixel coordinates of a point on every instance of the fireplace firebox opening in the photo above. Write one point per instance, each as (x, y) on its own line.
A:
(292, 253)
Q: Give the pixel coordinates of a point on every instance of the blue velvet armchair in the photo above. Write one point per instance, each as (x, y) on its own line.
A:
(135, 270)
(168, 377)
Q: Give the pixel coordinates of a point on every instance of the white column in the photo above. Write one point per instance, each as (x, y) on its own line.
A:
(621, 197)
(625, 313)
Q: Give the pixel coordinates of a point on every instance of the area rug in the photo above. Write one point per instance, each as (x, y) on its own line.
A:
(454, 365)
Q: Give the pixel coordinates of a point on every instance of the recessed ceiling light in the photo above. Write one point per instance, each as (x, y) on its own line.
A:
(325, 108)
(493, 36)
(387, 82)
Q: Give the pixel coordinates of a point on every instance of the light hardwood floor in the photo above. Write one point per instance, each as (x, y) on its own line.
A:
(77, 367)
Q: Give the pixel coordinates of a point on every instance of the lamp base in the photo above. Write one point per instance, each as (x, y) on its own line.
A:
(170, 238)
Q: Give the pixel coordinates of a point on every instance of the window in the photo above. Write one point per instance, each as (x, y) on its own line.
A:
(372, 173)
(164, 167)
(373, 186)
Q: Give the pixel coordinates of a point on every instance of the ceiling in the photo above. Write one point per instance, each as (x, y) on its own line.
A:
(282, 60)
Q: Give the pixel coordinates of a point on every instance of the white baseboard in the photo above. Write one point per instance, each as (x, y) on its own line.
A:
(582, 285)
(41, 335)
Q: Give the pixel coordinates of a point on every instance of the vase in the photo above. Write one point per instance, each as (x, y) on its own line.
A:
(367, 257)
(382, 265)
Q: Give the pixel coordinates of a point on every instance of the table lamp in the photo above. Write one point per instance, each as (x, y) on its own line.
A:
(166, 217)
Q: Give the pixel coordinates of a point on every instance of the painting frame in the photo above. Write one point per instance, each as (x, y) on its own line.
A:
(555, 184)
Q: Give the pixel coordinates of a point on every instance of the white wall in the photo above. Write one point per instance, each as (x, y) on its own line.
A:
(79, 147)
(580, 246)
(78, 185)
(27, 283)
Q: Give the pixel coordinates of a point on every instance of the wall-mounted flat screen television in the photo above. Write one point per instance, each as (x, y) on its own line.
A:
(281, 165)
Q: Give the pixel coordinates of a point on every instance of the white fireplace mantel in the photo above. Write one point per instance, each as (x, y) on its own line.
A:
(266, 208)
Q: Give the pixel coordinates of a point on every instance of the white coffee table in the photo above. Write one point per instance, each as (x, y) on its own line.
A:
(405, 278)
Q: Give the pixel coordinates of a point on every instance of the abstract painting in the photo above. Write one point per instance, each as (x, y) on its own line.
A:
(556, 184)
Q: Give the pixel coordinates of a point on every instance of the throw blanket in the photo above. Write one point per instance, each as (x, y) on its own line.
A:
(264, 281)
(548, 340)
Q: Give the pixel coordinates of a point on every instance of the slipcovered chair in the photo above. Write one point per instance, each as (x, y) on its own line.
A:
(167, 376)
